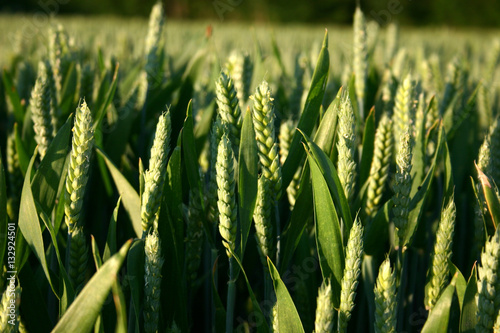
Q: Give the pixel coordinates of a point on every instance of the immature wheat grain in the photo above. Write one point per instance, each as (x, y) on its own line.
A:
(262, 218)
(226, 189)
(324, 309)
(154, 177)
(240, 69)
(79, 165)
(352, 269)
(153, 263)
(287, 129)
(215, 136)
(263, 121)
(402, 185)
(392, 41)
(78, 257)
(15, 178)
(379, 170)
(59, 55)
(152, 44)
(439, 270)
(229, 108)
(385, 299)
(360, 64)
(404, 112)
(346, 145)
(488, 285)
(41, 110)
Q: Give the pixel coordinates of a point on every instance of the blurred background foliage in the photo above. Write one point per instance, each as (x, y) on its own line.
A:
(483, 13)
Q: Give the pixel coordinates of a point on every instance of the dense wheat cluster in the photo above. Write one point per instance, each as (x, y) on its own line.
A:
(220, 178)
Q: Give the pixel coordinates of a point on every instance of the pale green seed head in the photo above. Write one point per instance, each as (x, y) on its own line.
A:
(385, 299)
(263, 121)
(153, 263)
(79, 164)
(324, 309)
(154, 177)
(226, 194)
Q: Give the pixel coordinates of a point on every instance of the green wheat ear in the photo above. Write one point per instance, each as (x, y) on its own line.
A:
(439, 270)
(226, 202)
(346, 145)
(360, 64)
(79, 165)
(379, 169)
(263, 121)
(352, 270)
(402, 185)
(229, 107)
(404, 111)
(385, 299)
(78, 257)
(262, 218)
(153, 263)
(154, 177)
(15, 178)
(59, 55)
(488, 284)
(324, 309)
(41, 114)
(152, 45)
(215, 136)
(240, 67)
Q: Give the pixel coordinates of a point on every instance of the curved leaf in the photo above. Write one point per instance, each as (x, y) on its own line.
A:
(332, 179)
(328, 234)
(288, 317)
(247, 182)
(310, 113)
(437, 322)
(130, 198)
(468, 318)
(83, 312)
(30, 224)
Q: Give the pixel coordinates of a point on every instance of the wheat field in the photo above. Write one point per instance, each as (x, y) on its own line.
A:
(171, 176)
